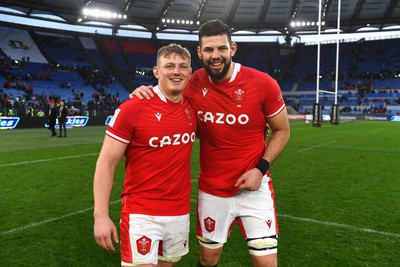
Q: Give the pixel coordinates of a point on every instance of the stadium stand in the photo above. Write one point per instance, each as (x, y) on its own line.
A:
(93, 73)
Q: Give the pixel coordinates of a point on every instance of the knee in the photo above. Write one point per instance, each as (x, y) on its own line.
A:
(208, 259)
(210, 255)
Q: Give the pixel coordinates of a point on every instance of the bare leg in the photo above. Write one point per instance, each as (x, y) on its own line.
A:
(165, 264)
(210, 257)
(265, 261)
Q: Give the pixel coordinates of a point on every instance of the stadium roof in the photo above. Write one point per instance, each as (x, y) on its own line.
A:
(255, 16)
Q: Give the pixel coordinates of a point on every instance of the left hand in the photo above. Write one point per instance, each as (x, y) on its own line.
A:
(105, 232)
(250, 180)
(142, 92)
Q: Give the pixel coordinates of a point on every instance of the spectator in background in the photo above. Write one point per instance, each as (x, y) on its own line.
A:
(62, 119)
(40, 113)
(52, 118)
(10, 112)
(30, 112)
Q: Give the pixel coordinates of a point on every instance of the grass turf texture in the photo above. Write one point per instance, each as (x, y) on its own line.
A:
(337, 192)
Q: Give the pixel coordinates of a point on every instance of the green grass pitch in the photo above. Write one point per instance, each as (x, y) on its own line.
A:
(337, 193)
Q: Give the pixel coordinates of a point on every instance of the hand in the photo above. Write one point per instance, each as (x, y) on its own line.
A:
(142, 92)
(104, 229)
(250, 180)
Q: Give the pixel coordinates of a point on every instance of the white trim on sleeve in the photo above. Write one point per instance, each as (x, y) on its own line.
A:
(276, 112)
(117, 137)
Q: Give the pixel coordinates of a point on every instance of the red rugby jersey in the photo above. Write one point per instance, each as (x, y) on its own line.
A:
(231, 119)
(160, 135)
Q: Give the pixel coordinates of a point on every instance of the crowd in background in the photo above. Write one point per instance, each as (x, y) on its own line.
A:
(100, 101)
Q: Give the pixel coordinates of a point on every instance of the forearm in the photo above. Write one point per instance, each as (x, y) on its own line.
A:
(276, 145)
(251, 180)
(102, 187)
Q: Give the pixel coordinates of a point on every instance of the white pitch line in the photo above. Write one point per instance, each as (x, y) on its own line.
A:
(340, 225)
(312, 147)
(32, 225)
(332, 224)
(43, 160)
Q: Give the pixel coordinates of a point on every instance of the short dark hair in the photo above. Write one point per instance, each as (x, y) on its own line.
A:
(214, 27)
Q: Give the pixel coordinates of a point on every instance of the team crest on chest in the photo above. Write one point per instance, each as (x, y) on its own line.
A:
(188, 116)
(239, 95)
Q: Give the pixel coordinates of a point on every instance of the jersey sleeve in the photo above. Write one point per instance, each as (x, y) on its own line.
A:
(123, 123)
(271, 97)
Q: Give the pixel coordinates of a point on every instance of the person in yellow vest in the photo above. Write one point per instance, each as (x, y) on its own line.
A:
(30, 111)
(40, 113)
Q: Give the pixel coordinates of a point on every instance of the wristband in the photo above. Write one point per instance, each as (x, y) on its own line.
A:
(263, 166)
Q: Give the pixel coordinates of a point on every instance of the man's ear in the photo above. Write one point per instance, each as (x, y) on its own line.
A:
(233, 48)
(199, 52)
(155, 72)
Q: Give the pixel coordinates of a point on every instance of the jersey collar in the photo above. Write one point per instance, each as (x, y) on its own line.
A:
(159, 93)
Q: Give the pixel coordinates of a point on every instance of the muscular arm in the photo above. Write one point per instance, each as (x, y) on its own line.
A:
(279, 125)
(110, 154)
(280, 129)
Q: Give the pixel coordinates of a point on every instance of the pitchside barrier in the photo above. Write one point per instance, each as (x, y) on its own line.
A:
(347, 117)
(9, 123)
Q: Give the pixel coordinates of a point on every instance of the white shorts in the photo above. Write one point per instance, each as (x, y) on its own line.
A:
(145, 237)
(253, 210)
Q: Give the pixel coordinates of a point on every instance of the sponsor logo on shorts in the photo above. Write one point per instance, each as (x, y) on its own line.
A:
(143, 245)
(209, 224)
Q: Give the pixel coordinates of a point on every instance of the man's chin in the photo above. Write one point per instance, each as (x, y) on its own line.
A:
(177, 91)
(216, 75)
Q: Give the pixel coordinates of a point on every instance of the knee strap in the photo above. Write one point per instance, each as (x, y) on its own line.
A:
(262, 246)
(205, 242)
(173, 259)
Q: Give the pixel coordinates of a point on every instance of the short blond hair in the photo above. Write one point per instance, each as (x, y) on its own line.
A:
(173, 49)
